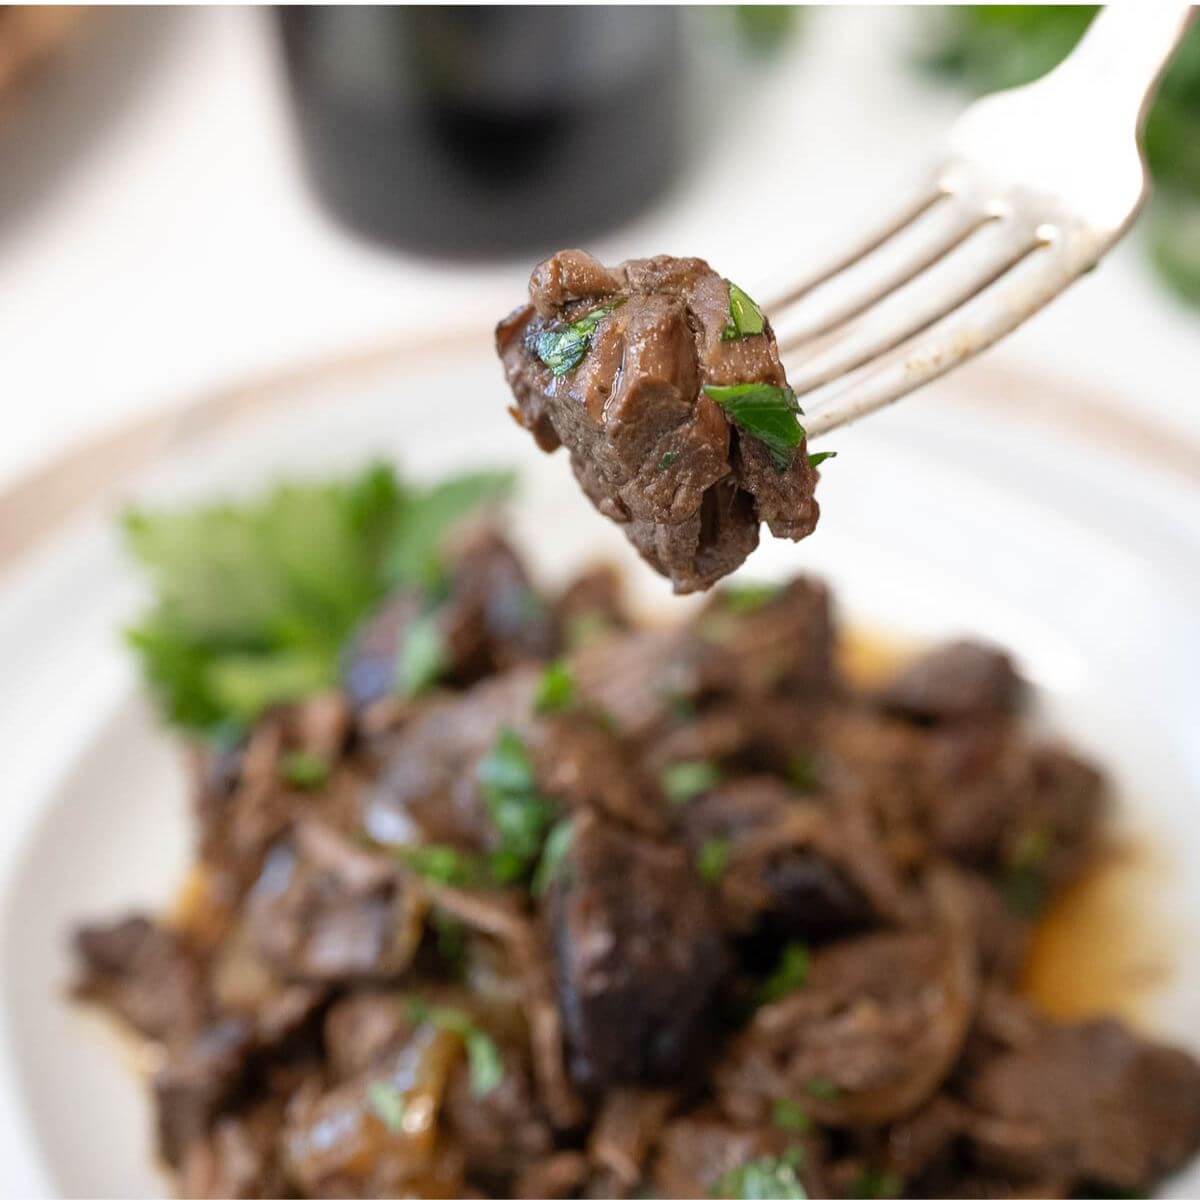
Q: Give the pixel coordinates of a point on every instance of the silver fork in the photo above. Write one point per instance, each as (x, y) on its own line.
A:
(1035, 185)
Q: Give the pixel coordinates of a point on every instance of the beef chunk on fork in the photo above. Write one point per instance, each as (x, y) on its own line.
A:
(638, 957)
(1091, 1103)
(651, 448)
(959, 681)
(145, 974)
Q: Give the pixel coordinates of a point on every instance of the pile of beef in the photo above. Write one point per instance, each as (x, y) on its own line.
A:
(626, 912)
(626, 390)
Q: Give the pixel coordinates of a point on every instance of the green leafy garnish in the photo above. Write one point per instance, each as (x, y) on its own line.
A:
(790, 974)
(822, 1089)
(764, 1179)
(745, 317)
(388, 1104)
(562, 349)
(556, 689)
(874, 1184)
(304, 770)
(521, 816)
(787, 1114)
(554, 852)
(743, 598)
(668, 459)
(422, 657)
(253, 600)
(817, 458)
(713, 859)
(443, 864)
(684, 781)
(484, 1063)
(765, 412)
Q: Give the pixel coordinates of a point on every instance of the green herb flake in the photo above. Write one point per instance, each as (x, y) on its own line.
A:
(822, 1089)
(815, 460)
(744, 598)
(422, 657)
(875, 1184)
(713, 859)
(764, 1179)
(304, 770)
(563, 349)
(521, 816)
(684, 781)
(802, 773)
(484, 1063)
(388, 1104)
(787, 1114)
(790, 974)
(765, 412)
(554, 853)
(442, 864)
(556, 689)
(668, 459)
(745, 317)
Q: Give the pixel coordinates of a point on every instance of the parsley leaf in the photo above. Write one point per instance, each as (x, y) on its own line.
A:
(745, 598)
(765, 412)
(442, 864)
(745, 317)
(684, 781)
(483, 1055)
(251, 601)
(787, 1114)
(556, 689)
(304, 770)
(712, 860)
(388, 1104)
(563, 349)
(422, 657)
(822, 1088)
(815, 460)
(668, 459)
(521, 816)
(790, 973)
(764, 1179)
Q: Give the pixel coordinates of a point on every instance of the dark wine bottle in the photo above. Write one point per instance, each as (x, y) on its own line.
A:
(486, 130)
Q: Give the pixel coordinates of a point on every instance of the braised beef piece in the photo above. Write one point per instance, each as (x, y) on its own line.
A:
(650, 447)
(639, 958)
(764, 938)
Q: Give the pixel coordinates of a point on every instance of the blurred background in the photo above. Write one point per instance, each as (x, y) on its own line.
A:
(193, 198)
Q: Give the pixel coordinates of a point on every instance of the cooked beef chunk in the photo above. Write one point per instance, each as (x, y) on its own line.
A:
(650, 446)
(639, 958)
(956, 682)
(145, 974)
(325, 910)
(711, 921)
(1089, 1103)
(198, 1079)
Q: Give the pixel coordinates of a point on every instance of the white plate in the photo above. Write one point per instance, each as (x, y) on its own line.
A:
(941, 517)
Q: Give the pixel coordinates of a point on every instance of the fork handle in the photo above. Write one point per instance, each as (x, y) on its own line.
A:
(1125, 51)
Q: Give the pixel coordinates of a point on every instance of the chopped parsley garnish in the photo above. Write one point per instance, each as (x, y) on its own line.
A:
(558, 842)
(563, 349)
(443, 864)
(745, 598)
(822, 1089)
(252, 601)
(765, 412)
(388, 1104)
(764, 1179)
(802, 772)
(668, 459)
(816, 459)
(787, 1114)
(875, 1184)
(745, 317)
(556, 689)
(790, 973)
(521, 816)
(713, 859)
(304, 770)
(422, 657)
(684, 781)
(483, 1056)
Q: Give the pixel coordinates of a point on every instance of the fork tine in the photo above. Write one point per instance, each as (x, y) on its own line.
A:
(926, 240)
(918, 305)
(960, 335)
(924, 196)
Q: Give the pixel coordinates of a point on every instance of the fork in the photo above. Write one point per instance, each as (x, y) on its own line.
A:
(1034, 187)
